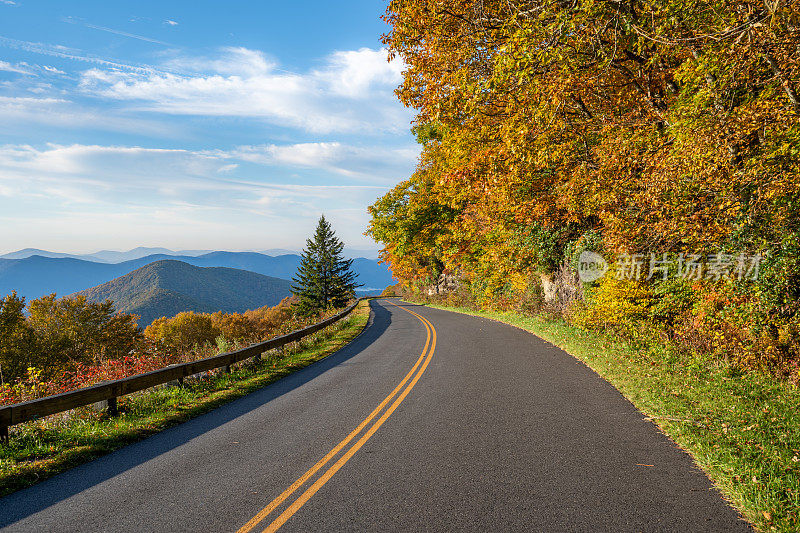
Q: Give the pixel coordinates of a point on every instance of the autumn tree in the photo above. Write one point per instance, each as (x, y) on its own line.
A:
(70, 330)
(270, 321)
(185, 331)
(668, 126)
(17, 351)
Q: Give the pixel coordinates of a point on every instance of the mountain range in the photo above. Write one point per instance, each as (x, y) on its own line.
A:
(112, 256)
(167, 287)
(36, 275)
(103, 256)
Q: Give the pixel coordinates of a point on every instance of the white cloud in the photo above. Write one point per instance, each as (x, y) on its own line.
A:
(52, 70)
(73, 20)
(8, 2)
(145, 166)
(320, 154)
(10, 104)
(170, 23)
(230, 61)
(352, 93)
(8, 67)
(93, 163)
(64, 52)
(24, 112)
(353, 73)
(99, 193)
(373, 162)
(228, 168)
(177, 172)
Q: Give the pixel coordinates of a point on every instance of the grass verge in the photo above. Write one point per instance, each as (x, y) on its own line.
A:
(38, 450)
(743, 429)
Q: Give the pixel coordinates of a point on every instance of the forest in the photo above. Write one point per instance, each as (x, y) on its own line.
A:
(661, 136)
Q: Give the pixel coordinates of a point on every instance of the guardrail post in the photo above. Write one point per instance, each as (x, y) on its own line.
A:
(112, 407)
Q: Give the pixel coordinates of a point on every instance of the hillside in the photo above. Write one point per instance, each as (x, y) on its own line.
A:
(36, 276)
(167, 287)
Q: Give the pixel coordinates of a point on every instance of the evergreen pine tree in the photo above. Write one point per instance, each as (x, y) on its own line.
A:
(324, 279)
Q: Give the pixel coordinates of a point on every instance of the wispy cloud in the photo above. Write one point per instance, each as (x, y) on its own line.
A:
(5, 66)
(164, 192)
(21, 112)
(73, 20)
(352, 92)
(170, 23)
(374, 163)
(228, 61)
(145, 166)
(52, 70)
(73, 54)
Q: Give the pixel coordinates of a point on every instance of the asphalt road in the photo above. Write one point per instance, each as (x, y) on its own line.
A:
(460, 424)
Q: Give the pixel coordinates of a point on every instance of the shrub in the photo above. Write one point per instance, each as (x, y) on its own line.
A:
(185, 331)
(390, 291)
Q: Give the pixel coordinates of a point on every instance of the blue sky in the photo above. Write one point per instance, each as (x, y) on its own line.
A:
(194, 125)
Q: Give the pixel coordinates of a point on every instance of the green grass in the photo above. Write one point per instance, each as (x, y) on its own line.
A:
(41, 449)
(743, 429)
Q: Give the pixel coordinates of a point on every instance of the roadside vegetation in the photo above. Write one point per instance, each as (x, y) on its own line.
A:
(391, 291)
(40, 449)
(68, 343)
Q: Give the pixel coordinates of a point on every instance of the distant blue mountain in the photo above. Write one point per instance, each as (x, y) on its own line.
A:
(168, 287)
(104, 256)
(113, 256)
(36, 276)
(28, 252)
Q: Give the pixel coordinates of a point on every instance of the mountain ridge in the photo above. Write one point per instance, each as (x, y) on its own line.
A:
(115, 256)
(37, 276)
(168, 287)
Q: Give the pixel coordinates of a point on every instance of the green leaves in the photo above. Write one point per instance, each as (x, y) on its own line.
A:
(324, 279)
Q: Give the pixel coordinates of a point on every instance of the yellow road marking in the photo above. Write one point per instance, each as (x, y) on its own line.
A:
(294, 507)
(333, 469)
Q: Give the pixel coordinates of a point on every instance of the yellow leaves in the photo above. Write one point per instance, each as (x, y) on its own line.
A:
(573, 116)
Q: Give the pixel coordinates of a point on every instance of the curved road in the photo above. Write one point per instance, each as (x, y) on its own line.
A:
(429, 420)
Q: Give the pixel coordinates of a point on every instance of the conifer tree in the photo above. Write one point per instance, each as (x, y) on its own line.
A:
(324, 278)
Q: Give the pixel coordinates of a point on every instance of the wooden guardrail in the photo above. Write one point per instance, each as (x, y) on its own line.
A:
(109, 391)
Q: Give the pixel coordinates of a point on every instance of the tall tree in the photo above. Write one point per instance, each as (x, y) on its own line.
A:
(16, 339)
(324, 278)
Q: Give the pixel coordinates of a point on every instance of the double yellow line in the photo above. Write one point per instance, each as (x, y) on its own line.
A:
(421, 365)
